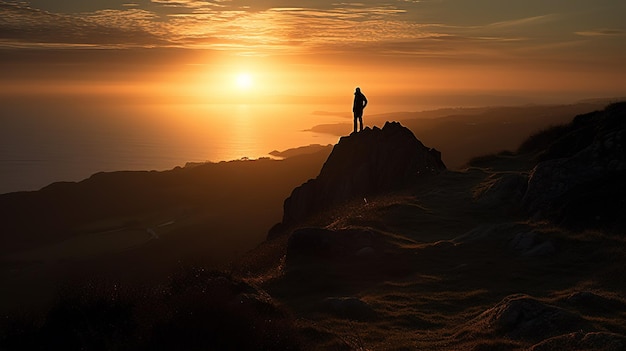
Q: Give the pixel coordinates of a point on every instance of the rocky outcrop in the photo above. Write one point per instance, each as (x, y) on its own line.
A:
(361, 165)
(579, 182)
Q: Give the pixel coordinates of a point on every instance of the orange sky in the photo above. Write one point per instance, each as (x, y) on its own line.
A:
(92, 85)
(191, 50)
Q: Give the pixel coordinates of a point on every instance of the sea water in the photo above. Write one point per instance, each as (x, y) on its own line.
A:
(48, 140)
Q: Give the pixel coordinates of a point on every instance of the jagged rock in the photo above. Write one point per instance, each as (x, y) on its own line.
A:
(522, 317)
(364, 164)
(579, 341)
(579, 183)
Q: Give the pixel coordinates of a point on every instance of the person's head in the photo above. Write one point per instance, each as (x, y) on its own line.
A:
(358, 90)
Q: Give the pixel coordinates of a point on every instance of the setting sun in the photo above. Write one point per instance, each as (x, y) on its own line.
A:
(243, 81)
(240, 174)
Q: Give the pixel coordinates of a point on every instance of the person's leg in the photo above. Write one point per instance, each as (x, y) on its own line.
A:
(355, 118)
(360, 123)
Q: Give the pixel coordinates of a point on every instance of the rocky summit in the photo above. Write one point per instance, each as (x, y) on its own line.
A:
(364, 164)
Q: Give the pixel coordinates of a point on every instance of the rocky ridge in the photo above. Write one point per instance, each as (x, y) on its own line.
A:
(361, 165)
(579, 179)
(481, 270)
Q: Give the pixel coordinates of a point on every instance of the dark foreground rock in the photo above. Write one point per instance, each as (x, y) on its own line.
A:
(318, 243)
(318, 252)
(348, 307)
(197, 310)
(580, 341)
(521, 317)
(579, 181)
(361, 165)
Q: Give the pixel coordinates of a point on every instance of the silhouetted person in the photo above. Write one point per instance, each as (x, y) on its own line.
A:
(360, 101)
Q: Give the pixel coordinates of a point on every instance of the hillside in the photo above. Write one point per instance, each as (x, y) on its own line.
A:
(138, 227)
(463, 133)
(386, 249)
(462, 260)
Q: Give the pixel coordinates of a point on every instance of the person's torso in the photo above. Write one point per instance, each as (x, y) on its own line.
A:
(359, 98)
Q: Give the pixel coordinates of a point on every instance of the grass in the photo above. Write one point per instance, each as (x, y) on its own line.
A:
(426, 292)
(197, 309)
(445, 267)
(542, 139)
(439, 286)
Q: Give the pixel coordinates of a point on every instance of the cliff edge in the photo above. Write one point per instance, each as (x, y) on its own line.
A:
(363, 164)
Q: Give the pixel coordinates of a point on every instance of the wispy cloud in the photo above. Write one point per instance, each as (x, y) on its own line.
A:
(524, 22)
(602, 33)
(392, 28)
(22, 24)
(193, 4)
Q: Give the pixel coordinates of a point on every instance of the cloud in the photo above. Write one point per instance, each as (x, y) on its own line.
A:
(23, 25)
(372, 29)
(524, 22)
(192, 4)
(602, 33)
(367, 27)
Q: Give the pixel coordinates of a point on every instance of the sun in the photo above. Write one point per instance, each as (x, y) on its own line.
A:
(243, 81)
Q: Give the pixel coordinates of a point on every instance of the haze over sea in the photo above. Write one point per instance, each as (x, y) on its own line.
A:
(101, 85)
(44, 143)
(48, 140)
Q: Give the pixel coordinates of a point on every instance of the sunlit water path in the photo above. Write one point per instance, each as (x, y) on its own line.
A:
(44, 141)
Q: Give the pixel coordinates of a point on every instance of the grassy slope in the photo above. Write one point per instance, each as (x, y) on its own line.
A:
(98, 228)
(433, 282)
(430, 286)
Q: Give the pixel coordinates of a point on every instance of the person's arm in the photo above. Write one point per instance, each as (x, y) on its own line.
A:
(364, 101)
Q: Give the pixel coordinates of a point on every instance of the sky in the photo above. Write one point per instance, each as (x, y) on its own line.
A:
(312, 51)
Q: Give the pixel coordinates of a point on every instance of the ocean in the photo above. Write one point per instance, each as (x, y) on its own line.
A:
(45, 140)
